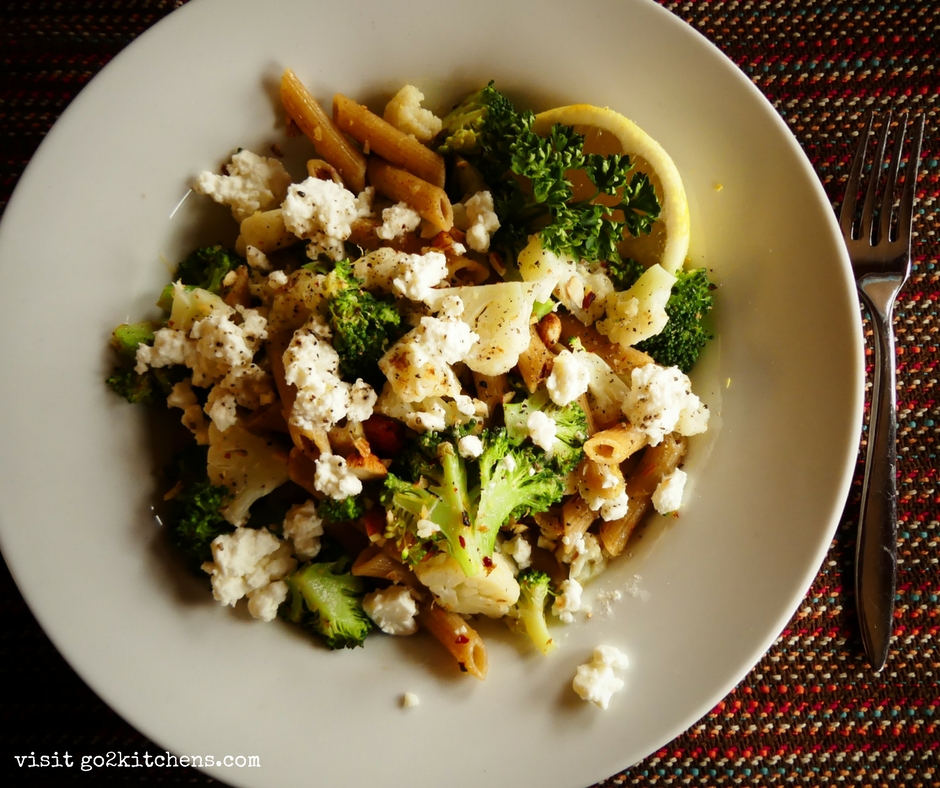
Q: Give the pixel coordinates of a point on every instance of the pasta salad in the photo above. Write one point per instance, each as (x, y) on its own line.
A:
(430, 381)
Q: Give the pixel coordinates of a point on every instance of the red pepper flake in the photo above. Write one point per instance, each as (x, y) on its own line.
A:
(487, 562)
(589, 297)
(461, 639)
(462, 666)
(463, 542)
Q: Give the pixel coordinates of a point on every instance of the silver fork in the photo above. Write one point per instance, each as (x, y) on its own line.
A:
(879, 246)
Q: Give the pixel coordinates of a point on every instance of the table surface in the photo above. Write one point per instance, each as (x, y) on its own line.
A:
(811, 712)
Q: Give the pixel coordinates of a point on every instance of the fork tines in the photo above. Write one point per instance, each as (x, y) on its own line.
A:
(888, 220)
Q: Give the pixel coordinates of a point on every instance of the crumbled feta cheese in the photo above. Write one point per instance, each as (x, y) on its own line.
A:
(362, 399)
(587, 559)
(658, 399)
(426, 529)
(595, 681)
(418, 365)
(509, 462)
(222, 344)
(303, 526)
(257, 259)
(251, 183)
(398, 220)
(542, 430)
(244, 562)
(470, 446)
(519, 550)
(332, 477)
(413, 276)
(610, 500)
(221, 407)
(323, 212)
(568, 602)
(277, 280)
(668, 495)
(312, 365)
(393, 610)
(170, 347)
(251, 386)
(409, 700)
(482, 221)
(406, 114)
(569, 378)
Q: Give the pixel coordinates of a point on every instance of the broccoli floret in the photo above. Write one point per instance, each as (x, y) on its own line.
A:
(194, 516)
(135, 388)
(534, 592)
(464, 124)
(127, 336)
(326, 598)
(204, 268)
(363, 326)
(624, 272)
(342, 511)
(514, 481)
(570, 428)
(681, 341)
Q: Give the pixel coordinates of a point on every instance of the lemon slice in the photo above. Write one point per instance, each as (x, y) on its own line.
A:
(605, 132)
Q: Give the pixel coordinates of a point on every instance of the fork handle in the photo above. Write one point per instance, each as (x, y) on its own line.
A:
(876, 549)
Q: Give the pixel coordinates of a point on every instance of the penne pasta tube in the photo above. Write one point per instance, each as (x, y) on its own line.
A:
(380, 137)
(576, 518)
(457, 636)
(535, 362)
(465, 271)
(613, 445)
(373, 561)
(431, 202)
(620, 359)
(265, 231)
(491, 389)
(328, 141)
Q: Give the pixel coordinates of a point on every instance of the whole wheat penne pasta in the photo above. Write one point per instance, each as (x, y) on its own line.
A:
(620, 359)
(491, 389)
(657, 462)
(265, 231)
(576, 518)
(313, 121)
(383, 139)
(375, 562)
(457, 636)
(464, 271)
(430, 201)
(613, 445)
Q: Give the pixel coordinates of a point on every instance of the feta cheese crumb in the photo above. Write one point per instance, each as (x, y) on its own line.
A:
(519, 550)
(470, 446)
(398, 220)
(393, 610)
(595, 681)
(251, 183)
(409, 700)
(312, 364)
(482, 220)
(323, 211)
(277, 280)
(362, 399)
(257, 259)
(406, 114)
(660, 401)
(668, 495)
(542, 430)
(569, 378)
(426, 529)
(568, 602)
(332, 477)
(304, 527)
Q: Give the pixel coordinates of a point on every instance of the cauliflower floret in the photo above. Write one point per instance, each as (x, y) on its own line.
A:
(640, 312)
(249, 465)
(183, 397)
(482, 221)
(492, 592)
(303, 526)
(406, 114)
(660, 401)
(398, 220)
(569, 378)
(251, 183)
(334, 478)
(264, 602)
(668, 495)
(244, 562)
(393, 610)
(595, 681)
(433, 413)
(323, 212)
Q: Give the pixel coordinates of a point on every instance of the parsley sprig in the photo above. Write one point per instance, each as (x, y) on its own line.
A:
(529, 178)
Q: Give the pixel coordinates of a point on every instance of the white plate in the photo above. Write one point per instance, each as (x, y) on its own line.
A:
(84, 246)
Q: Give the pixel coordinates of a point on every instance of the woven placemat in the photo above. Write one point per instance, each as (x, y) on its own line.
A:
(811, 712)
